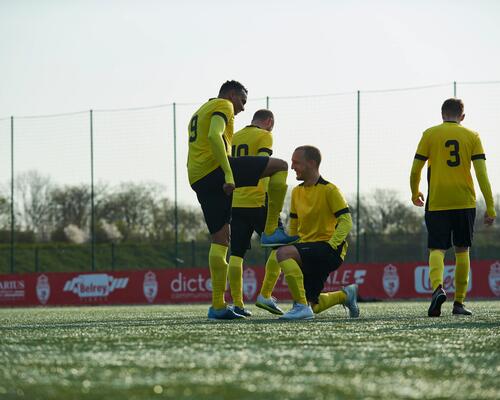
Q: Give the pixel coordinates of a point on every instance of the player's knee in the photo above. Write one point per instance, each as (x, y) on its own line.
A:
(277, 165)
(284, 253)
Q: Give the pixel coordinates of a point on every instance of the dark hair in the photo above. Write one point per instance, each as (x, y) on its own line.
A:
(231, 85)
(311, 153)
(262, 115)
(453, 107)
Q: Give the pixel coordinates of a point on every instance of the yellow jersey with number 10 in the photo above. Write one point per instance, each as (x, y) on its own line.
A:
(250, 141)
(201, 160)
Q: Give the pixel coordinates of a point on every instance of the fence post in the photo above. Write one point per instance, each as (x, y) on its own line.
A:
(92, 206)
(176, 211)
(193, 253)
(454, 88)
(37, 260)
(267, 102)
(357, 177)
(12, 214)
(112, 256)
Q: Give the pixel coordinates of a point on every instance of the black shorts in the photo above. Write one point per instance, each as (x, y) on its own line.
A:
(450, 227)
(216, 205)
(244, 222)
(319, 259)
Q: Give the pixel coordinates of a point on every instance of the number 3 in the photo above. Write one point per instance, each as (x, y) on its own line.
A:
(453, 153)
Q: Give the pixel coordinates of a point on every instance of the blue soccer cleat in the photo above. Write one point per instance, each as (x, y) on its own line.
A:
(224, 313)
(242, 311)
(351, 302)
(277, 238)
(299, 311)
(268, 305)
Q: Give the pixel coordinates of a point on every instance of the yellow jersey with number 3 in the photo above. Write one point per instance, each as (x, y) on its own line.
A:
(201, 160)
(449, 150)
(250, 141)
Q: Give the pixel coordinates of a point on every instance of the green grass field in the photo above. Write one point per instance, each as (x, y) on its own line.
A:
(154, 352)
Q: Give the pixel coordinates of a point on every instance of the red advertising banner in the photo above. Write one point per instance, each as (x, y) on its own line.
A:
(193, 285)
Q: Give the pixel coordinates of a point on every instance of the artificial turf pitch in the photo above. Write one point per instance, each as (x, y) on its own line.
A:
(392, 351)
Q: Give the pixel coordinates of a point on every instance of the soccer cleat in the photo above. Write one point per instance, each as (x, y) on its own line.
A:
(299, 311)
(277, 238)
(438, 298)
(459, 309)
(242, 311)
(224, 313)
(351, 302)
(268, 305)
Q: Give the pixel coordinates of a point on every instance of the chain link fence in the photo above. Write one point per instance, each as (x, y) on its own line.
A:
(108, 189)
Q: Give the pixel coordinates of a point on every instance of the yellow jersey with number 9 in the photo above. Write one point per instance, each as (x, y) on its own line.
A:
(449, 150)
(201, 160)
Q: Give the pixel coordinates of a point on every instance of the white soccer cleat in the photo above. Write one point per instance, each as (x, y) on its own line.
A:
(351, 302)
(299, 311)
(268, 304)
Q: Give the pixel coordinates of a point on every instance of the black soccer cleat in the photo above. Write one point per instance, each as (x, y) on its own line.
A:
(438, 298)
(459, 309)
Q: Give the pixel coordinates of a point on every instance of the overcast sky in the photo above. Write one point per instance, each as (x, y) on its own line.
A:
(61, 56)
(64, 56)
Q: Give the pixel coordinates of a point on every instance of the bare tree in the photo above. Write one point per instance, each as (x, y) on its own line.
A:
(33, 191)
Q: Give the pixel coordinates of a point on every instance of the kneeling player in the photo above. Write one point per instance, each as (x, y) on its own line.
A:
(320, 216)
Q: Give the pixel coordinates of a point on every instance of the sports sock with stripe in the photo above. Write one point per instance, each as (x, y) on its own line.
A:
(273, 271)
(461, 275)
(327, 300)
(235, 275)
(218, 273)
(294, 279)
(436, 267)
(276, 193)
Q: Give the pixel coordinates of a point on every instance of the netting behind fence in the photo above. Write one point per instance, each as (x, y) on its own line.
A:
(140, 154)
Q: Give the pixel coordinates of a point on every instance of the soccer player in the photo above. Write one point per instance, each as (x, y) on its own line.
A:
(320, 216)
(450, 209)
(214, 176)
(249, 214)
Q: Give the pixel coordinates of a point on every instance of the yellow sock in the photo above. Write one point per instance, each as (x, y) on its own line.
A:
(327, 300)
(276, 193)
(235, 275)
(436, 267)
(218, 273)
(294, 279)
(273, 271)
(461, 275)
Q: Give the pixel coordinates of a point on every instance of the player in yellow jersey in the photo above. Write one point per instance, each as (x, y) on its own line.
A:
(450, 209)
(214, 176)
(320, 216)
(249, 214)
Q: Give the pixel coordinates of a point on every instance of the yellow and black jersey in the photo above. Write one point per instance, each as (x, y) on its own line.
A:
(449, 150)
(314, 211)
(200, 157)
(251, 141)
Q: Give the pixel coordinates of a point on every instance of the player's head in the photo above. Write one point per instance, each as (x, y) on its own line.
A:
(453, 110)
(306, 161)
(264, 119)
(236, 93)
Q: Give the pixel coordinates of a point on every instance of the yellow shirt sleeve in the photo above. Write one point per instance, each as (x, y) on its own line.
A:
(416, 171)
(294, 220)
(217, 127)
(484, 185)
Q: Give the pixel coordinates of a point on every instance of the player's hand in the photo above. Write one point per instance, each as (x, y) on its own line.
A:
(419, 201)
(488, 221)
(228, 188)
